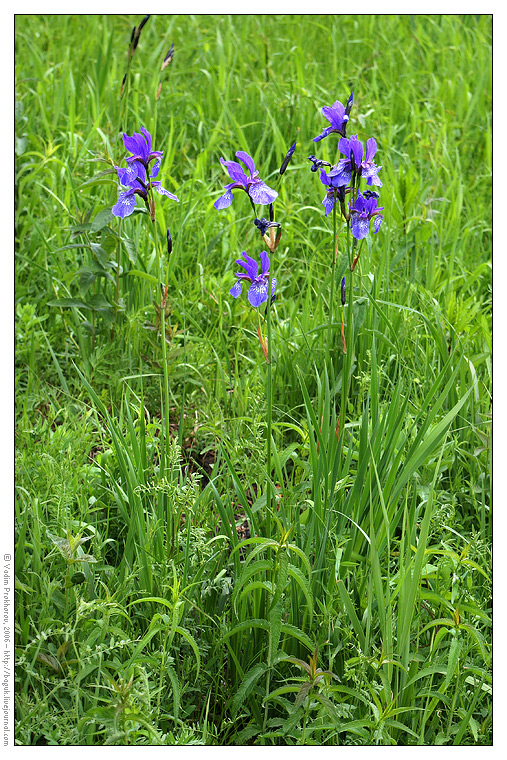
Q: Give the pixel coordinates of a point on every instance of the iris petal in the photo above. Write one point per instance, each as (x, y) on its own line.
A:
(258, 292)
(235, 172)
(342, 174)
(135, 144)
(259, 192)
(264, 262)
(374, 180)
(127, 175)
(250, 265)
(147, 137)
(371, 149)
(328, 203)
(344, 146)
(325, 132)
(247, 160)
(224, 201)
(356, 147)
(335, 115)
(158, 187)
(360, 226)
(236, 289)
(125, 204)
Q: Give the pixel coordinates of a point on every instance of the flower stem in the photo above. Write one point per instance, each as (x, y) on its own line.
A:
(269, 420)
(348, 357)
(333, 277)
(117, 288)
(165, 399)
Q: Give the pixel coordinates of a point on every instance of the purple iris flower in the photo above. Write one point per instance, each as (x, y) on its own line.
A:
(255, 188)
(258, 290)
(361, 212)
(354, 164)
(140, 147)
(139, 185)
(334, 191)
(338, 116)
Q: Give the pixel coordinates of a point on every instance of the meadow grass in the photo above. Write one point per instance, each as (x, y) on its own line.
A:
(175, 585)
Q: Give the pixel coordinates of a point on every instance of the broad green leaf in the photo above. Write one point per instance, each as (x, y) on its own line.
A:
(103, 218)
(69, 303)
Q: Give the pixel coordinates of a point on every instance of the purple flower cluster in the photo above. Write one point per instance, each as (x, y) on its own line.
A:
(345, 176)
(258, 192)
(138, 177)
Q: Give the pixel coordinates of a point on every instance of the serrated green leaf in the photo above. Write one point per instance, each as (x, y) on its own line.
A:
(303, 584)
(275, 628)
(247, 685)
(281, 580)
(260, 566)
(188, 637)
(292, 630)
(452, 660)
(100, 254)
(263, 585)
(176, 688)
(245, 626)
(302, 694)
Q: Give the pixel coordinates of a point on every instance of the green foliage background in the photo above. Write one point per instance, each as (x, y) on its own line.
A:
(141, 617)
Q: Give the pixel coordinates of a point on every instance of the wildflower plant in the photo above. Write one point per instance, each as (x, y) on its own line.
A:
(139, 177)
(343, 181)
(262, 284)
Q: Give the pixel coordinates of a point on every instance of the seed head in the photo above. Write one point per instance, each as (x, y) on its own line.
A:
(138, 32)
(168, 58)
(287, 158)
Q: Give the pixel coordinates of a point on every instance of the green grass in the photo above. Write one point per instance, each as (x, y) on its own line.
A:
(189, 588)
